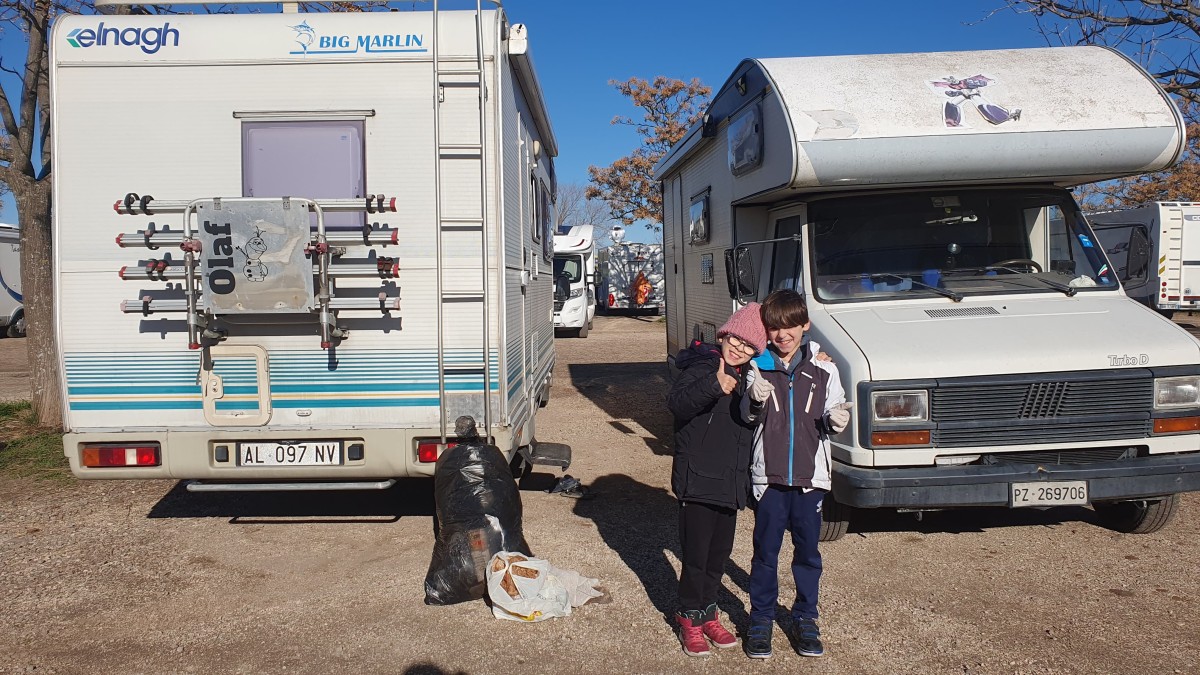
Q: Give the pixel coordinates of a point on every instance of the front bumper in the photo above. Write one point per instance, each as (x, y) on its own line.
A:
(974, 485)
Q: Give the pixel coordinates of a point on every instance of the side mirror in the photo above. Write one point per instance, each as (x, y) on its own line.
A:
(739, 273)
(1139, 255)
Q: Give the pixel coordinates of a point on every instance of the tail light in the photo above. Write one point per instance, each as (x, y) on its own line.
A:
(97, 456)
(612, 300)
(428, 450)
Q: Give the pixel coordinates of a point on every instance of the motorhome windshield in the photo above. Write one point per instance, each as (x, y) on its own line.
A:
(953, 243)
(569, 267)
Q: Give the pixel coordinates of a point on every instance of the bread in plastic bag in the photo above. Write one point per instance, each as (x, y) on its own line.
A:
(523, 588)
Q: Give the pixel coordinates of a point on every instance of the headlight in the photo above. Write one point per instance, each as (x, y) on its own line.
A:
(900, 406)
(576, 293)
(1177, 392)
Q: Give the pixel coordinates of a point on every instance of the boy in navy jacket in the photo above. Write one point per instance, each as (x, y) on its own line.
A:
(790, 470)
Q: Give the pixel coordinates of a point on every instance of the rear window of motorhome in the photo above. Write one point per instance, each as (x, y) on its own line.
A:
(969, 242)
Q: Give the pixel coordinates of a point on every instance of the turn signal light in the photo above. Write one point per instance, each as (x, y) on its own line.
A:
(96, 456)
(428, 451)
(900, 437)
(1176, 425)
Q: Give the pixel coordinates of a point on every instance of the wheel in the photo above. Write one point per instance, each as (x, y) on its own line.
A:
(1168, 313)
(1142, 516)
(1021, 262)
(16, 329)
(583, 331)
(835, 519)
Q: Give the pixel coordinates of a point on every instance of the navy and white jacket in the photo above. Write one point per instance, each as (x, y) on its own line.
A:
(791, 445)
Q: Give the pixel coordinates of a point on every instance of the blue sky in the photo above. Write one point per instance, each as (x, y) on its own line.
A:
(578, 47)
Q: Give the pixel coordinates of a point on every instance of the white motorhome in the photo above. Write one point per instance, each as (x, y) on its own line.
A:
(575, 280)
(919, 203)
(1155, 249)
(12, 303)
(333, 237)
(631, 275)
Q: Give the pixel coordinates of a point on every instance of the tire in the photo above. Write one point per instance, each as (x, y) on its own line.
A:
(1141, 516)
(16, 329)
(583, 331)
(1168, 313)
(835, 519)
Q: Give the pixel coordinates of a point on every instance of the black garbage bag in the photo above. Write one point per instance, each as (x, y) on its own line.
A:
(478, 508)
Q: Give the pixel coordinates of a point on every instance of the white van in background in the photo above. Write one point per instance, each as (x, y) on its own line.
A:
(1155, 249)
(575, 280)
(12, 309)
(919, 202)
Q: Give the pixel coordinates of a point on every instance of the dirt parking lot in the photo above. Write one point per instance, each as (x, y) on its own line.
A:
(144, 577)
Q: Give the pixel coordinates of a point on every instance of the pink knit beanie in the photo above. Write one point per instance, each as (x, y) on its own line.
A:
(746, 325)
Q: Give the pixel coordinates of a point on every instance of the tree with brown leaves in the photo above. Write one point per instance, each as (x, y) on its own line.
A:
(1161, 35)
(670, 107)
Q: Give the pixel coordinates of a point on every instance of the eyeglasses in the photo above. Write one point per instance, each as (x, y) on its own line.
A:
(740, 346)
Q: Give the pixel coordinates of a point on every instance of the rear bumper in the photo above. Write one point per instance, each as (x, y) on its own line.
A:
(941, 487)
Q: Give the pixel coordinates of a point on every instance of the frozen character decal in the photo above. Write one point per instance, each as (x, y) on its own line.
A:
(305, 36)
(955, 93)
(254, 269)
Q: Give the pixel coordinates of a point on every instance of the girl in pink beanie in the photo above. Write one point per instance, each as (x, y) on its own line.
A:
(710, 473)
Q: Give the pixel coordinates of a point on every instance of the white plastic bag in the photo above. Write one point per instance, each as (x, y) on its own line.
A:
(531, 589)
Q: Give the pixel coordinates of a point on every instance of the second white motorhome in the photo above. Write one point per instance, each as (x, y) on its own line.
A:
(575, 280)
(1155, 249)
(919, 203)
(268, 318)
(12, 302)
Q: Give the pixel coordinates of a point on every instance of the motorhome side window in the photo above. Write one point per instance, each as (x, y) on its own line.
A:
(317, 159)
(535, 220)
(953, 243)
(785, 266)
(698, 219)
(546, 221)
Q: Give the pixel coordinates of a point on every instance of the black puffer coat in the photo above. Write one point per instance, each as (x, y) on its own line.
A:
(713, 444)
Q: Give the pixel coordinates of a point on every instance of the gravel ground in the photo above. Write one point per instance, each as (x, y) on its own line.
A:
(143, 577)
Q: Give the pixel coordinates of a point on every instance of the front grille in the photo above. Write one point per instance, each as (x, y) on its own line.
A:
(558, 305)
(1059, 457)
(1054, 409)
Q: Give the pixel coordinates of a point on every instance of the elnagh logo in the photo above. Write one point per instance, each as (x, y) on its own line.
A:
(312, 43)
(149, 39)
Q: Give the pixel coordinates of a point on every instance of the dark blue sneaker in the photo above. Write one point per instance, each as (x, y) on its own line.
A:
(807, 637)
(758, 640)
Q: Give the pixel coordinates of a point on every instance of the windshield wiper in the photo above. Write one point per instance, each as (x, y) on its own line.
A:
(1069, 291)
(957, 297)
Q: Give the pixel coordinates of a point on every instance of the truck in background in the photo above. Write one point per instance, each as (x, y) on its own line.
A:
(575, 280)
(12, 307)
(1155, 249)
(631, 276)
(260, 324)
(948, 271)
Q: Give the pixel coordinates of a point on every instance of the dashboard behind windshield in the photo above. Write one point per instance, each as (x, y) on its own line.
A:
(953, 243)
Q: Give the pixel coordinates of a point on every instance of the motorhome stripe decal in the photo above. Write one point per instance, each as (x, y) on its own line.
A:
(374, 379)
(11, 293)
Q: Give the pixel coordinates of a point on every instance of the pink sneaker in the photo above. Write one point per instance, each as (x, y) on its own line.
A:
(692, 636)
(713, 630)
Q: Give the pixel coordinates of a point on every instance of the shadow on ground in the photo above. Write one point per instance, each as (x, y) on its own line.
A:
(629, 392)
(408, 497)
(641, 524)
